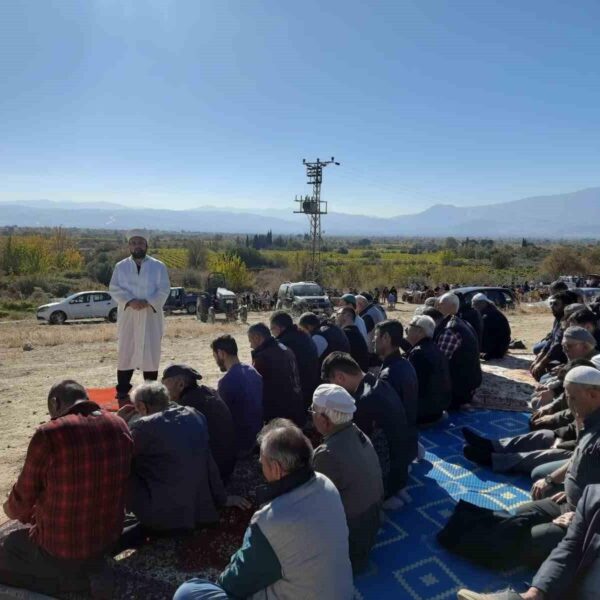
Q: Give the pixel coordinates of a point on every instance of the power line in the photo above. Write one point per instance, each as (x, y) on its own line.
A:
(314, 207)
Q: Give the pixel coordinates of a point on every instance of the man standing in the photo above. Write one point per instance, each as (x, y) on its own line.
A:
(242, 390)
(140, 285)
(327, 338)
(71, 492)
(349, 300)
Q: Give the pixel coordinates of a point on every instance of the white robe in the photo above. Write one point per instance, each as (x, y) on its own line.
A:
(140, 331)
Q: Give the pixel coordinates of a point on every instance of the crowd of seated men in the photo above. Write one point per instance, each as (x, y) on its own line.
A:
(95, 483)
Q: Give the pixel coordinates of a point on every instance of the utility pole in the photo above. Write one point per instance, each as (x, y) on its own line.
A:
(314, 207)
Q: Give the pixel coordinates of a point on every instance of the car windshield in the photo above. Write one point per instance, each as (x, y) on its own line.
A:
(307, 289)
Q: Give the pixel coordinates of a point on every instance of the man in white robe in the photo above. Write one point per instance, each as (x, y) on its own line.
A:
(140, 285)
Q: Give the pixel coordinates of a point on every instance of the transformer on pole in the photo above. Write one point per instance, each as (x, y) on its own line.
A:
(314, 207)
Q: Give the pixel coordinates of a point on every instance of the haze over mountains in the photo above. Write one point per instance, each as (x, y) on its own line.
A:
(572, 215)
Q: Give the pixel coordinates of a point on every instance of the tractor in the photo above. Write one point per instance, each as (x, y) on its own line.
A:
(216, 299)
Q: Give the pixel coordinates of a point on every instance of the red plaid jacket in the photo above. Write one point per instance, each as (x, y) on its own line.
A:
(73, 484)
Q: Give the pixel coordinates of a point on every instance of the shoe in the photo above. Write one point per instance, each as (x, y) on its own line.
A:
(474, 439)
(503, 595)
(478, 455)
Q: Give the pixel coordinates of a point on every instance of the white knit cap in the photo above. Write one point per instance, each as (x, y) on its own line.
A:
(479, 298)
(334, 397)
(583, 376)
(142, 233)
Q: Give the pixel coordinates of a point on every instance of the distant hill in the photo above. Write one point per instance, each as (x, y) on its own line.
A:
(573, 215)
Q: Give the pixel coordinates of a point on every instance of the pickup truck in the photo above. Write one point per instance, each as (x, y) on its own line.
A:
(180, 300)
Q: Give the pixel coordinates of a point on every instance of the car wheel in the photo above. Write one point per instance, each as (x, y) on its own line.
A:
(58, 317)
(191, 309)
(112, 315)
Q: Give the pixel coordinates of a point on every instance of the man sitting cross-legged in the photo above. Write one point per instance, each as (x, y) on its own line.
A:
(573, 569)
(181, 382)
(175, 484)
(71, 492)
(297, 543)
(348, 458)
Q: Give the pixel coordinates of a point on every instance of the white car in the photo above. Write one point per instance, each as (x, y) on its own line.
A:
(83, 305)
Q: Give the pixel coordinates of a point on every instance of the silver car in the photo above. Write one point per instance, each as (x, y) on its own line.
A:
(82, 305)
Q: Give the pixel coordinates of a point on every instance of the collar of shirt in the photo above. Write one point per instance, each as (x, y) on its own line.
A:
(391, 358)
(84, 407)
(592, 422)
(338, 429)
(270, 491)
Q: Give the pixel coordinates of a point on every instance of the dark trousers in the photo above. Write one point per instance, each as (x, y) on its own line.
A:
(124, 380)
(24, 564)
(544, 534)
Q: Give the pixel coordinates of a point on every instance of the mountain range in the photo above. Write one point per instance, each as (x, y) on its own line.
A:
(571, 215)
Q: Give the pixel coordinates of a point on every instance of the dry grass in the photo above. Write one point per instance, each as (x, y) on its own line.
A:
(15, 335)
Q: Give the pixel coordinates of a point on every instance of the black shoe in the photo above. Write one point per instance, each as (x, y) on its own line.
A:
(478, 455)
(474, 439)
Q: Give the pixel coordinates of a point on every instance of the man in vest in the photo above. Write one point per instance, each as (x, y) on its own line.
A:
(458, 342)
(327, 338)
(297, 543)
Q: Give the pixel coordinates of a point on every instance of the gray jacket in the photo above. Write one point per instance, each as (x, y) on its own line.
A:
(175, 483)
(348, 458)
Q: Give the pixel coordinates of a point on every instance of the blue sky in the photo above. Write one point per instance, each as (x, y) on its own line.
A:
(183, 103)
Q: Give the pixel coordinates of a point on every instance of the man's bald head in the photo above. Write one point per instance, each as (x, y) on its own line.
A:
(448, 304)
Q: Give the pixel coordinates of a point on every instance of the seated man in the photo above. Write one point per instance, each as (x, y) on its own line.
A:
(573, 568)
(71, 492)
(348, 458)
(297, 543)
(242, 390)
(175, 484)
(553, 354)
(400, 374)
(327, 337)
(582, 386)
(181, 382)
(300, 343)
(495, 335)
(457, 340)
(380, 414)
(359, 351)
(541, 346)
(525, 453)
(431, 367)
(282, 393)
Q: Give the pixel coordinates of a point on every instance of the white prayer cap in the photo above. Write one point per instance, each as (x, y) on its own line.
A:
(583, 376)
(427, 324)
(334, 397)
(451, 299)
(142, 233)
(480, 298)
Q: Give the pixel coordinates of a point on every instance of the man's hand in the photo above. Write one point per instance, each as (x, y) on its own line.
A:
(138, 304)
(238, 502)
(559, 498)
(126, 412)
(557, 443)
(538, 370)
(541, 421)
(539, 489)
(533, 594)
(564, 520)
(545, 397)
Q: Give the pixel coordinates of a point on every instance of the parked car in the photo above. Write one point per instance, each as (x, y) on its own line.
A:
(179, 299)
(502, 297)
(82, 305)
(302, 296)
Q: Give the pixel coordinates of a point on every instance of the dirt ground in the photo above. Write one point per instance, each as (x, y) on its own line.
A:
(86, 352)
